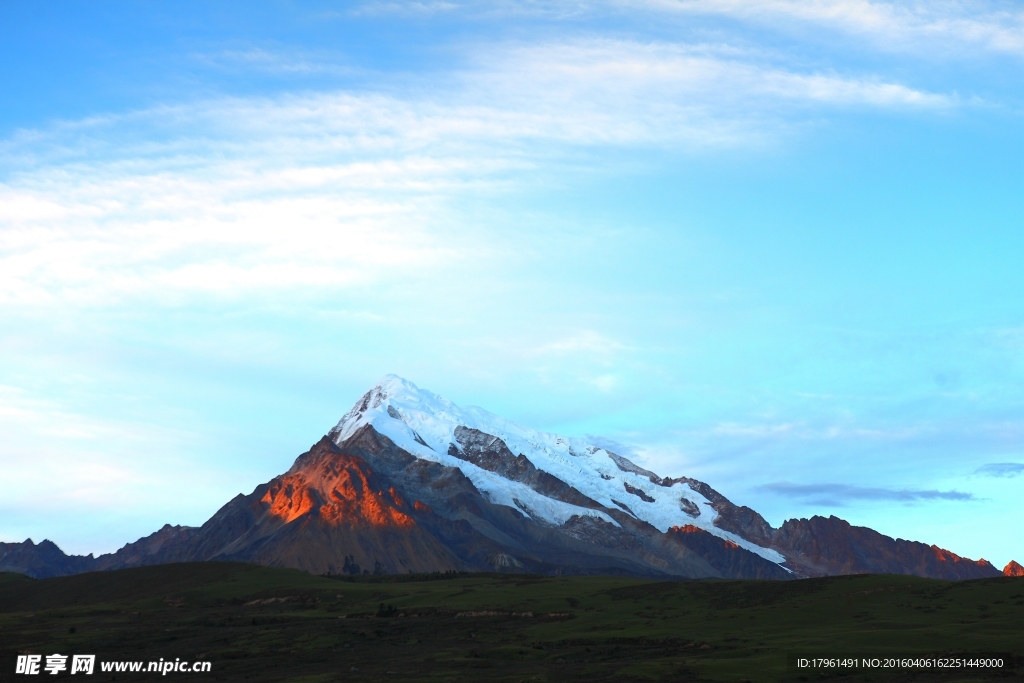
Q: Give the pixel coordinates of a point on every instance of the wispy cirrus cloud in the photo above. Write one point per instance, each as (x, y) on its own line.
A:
(333, 190)
(659, 90)
(935, 26)
(929, 29)
(841, 494)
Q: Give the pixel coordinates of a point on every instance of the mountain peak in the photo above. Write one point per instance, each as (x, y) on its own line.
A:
(393, 385)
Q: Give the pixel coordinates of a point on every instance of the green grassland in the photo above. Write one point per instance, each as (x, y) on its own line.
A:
(263, 624)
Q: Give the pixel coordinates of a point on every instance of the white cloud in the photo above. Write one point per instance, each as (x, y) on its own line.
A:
(324, 191)
(619, 77)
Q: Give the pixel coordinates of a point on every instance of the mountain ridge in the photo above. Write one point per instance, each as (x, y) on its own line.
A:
(407, 481)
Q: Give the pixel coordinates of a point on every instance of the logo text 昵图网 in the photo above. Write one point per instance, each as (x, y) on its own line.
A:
(86, 664)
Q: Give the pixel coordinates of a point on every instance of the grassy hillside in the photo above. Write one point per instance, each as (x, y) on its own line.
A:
(263, 624)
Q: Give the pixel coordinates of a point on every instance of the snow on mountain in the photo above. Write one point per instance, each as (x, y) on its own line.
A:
(424, 424)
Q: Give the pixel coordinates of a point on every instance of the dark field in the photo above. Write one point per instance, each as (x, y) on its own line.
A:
(260, 624)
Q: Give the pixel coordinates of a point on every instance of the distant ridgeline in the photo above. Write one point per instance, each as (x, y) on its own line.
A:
(409, 482)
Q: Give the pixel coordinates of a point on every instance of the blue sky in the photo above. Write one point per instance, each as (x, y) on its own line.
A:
(771, 244)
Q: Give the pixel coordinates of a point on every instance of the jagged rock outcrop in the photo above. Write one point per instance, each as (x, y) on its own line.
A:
(1013, 569)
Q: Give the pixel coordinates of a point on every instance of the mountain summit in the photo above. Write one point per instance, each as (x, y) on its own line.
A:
(407, 481)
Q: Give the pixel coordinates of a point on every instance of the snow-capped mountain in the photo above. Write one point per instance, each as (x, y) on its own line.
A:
(433, 428)
(407, 481)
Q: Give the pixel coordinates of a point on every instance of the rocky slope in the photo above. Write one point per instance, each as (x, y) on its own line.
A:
(409, 482)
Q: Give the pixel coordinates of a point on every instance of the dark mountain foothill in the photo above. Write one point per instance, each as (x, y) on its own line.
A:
(407, 482)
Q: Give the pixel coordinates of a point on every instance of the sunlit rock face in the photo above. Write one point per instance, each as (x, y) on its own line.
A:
(1013, 569)
(407, 481)
(339, 490)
